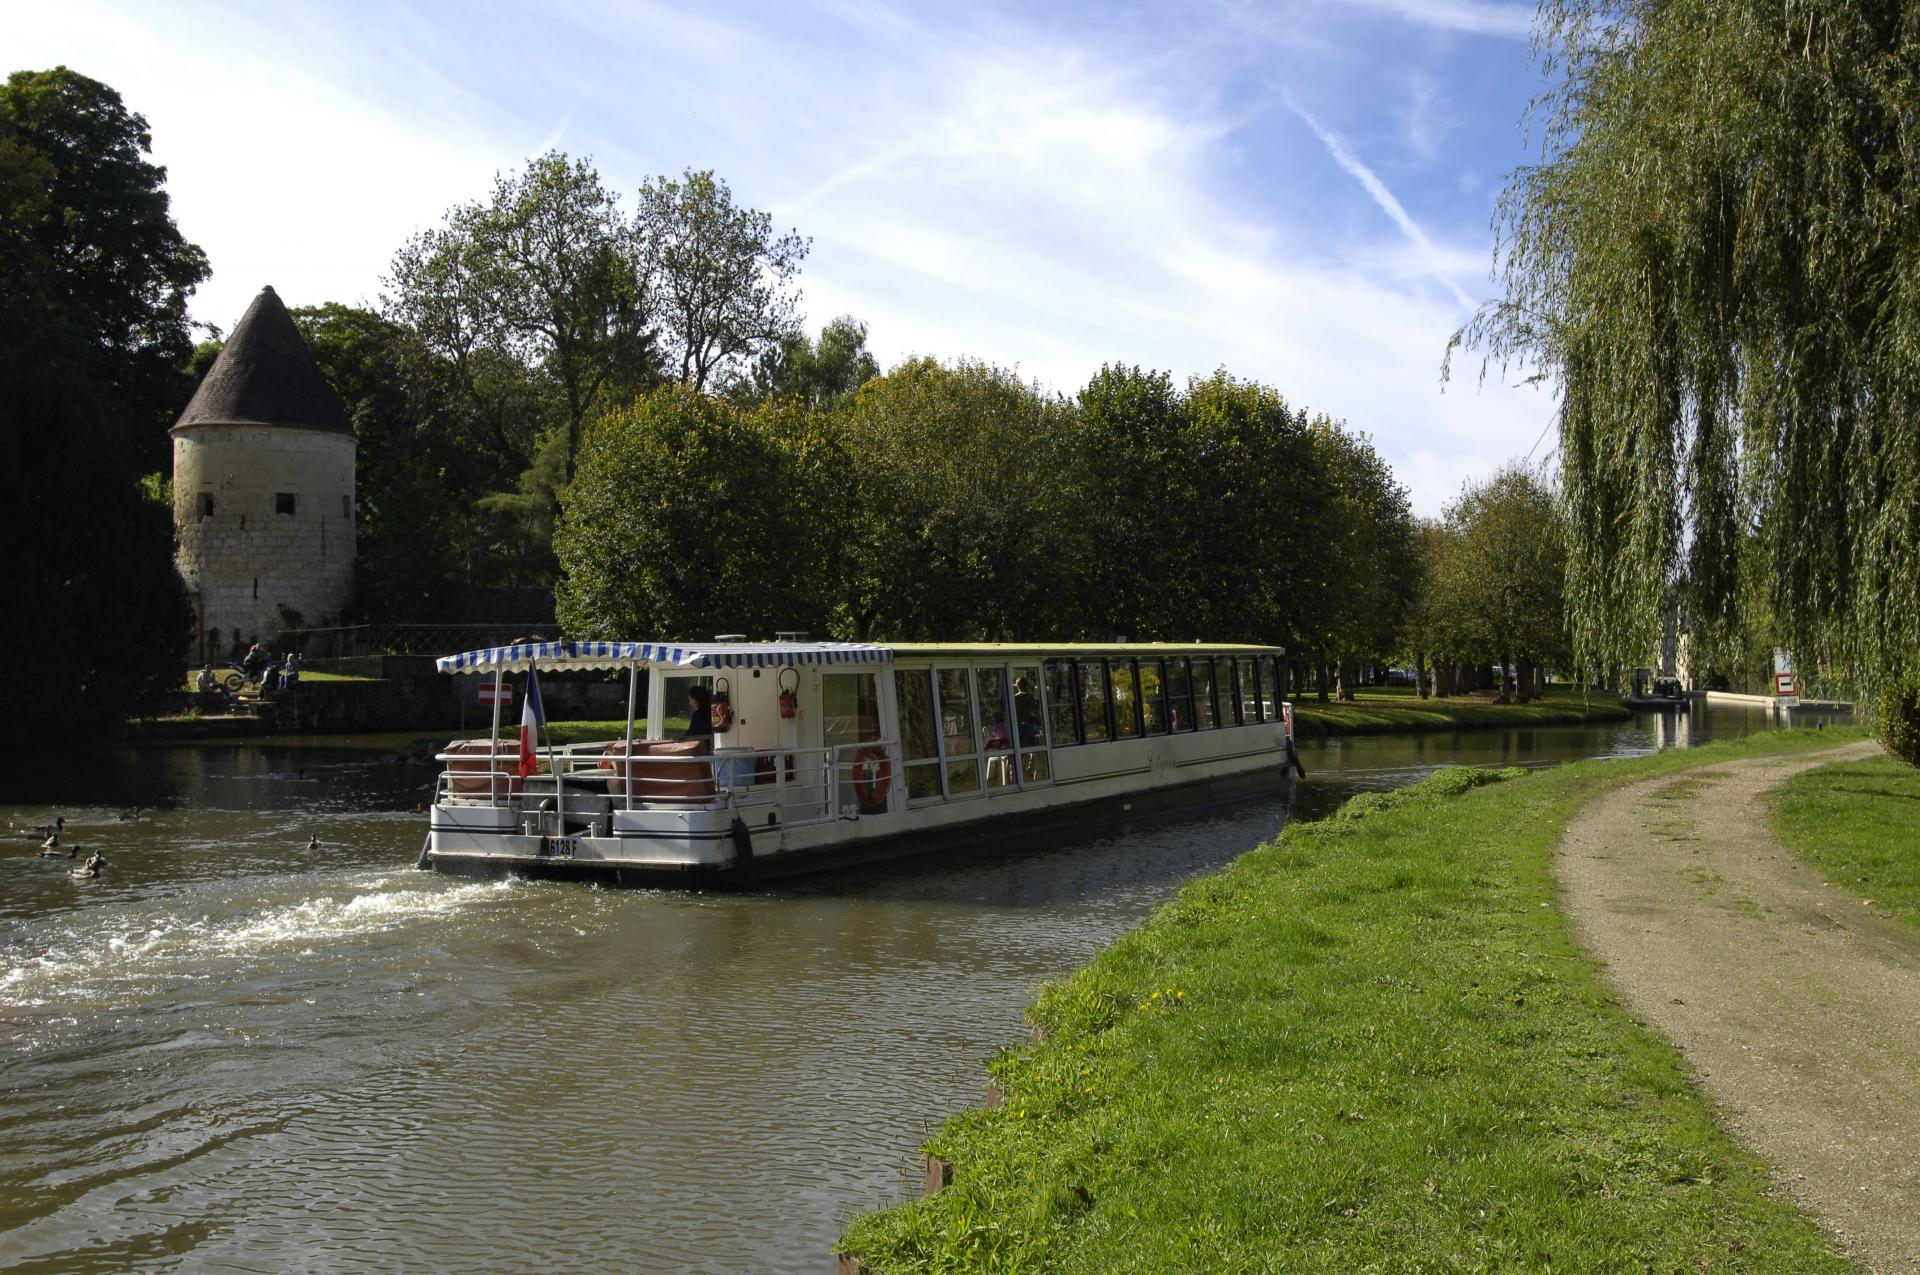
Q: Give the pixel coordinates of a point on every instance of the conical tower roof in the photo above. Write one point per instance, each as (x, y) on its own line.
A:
(265, 375)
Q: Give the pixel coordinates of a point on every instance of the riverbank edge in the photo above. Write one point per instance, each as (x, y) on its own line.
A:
(1311, 720)
(1371, 1042)
(1315, 720)
(1857, 823)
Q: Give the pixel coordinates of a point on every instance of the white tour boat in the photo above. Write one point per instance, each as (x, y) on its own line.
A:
(827, 753)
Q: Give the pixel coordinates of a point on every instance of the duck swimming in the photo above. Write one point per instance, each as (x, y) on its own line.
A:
(90, 869)
(54, 829)
(313, 843)
(54, 852)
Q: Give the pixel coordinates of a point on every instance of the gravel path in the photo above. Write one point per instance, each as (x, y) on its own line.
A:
(1797, 1005)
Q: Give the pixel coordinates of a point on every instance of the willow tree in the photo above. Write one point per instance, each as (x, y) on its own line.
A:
(1716, 262)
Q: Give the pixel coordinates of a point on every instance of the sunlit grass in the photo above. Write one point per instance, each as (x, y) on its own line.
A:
(1391, 710)
(1859, 823)
(1368, 1045)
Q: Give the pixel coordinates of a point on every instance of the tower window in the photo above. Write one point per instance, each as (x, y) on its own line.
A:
(206, 504)
(283, 502)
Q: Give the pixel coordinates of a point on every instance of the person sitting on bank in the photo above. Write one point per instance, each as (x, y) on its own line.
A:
(290, 671)
(699, 713)
(208, 686)
(256, 665)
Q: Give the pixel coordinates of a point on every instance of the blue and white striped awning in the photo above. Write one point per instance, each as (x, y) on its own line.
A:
(618, 655)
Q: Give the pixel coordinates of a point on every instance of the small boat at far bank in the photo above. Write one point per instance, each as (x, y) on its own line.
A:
(827, 753)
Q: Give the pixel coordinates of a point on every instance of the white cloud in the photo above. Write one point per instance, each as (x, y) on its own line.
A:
(1475, 17)
(988, 193)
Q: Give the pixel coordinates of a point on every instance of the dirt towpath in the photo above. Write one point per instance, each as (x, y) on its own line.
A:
(1797, 1005)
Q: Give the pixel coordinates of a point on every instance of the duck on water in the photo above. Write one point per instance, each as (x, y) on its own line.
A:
(820, 754)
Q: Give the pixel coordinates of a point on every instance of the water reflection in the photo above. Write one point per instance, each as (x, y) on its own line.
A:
(240, 1052)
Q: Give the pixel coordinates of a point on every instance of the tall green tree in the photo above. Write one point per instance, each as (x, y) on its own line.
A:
(964, 511)
(1500, 587)
(693, 515)
(720, 278)
(1362, 554)
(818, 373)
(537, 299)
(93, 336)
(1717, 265)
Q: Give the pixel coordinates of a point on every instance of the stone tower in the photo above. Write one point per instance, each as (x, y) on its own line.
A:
(263, 462)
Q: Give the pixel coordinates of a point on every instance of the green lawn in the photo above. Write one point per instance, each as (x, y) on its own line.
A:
(1393, 710)
(1859, 823)
(580, 732)
(1370, 1045)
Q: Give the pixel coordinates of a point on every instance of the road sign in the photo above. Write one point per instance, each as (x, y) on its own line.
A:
(1785, 684)
(496, 692)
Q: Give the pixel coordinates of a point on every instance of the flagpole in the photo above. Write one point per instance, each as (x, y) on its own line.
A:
(559, 785)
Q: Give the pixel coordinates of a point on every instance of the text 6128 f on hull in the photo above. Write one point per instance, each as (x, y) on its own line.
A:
(818, 754)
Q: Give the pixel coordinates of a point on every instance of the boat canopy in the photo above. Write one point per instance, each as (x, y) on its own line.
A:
(620, 655)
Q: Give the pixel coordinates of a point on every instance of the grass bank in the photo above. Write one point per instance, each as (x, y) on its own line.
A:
(1859, 823)
(1400, 711)
(1368, 1045)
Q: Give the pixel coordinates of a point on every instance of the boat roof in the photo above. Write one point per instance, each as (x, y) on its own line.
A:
(585, 655)
(619, 655)
(1070, 649)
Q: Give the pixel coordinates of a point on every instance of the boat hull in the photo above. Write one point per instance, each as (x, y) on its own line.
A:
(994, 828)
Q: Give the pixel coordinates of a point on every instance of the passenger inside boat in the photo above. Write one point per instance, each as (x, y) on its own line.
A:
(699, 713)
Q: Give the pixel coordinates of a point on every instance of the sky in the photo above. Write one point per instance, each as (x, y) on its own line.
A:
(1299, 191)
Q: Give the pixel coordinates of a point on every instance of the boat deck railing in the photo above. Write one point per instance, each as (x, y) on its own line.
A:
(581, 781)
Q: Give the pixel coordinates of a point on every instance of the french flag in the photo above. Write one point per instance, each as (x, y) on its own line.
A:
(533, 720)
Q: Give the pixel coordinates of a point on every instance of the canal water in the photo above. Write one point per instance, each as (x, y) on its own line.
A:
(236, 1053)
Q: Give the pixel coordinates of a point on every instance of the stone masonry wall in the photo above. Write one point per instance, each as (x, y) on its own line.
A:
(245, 561)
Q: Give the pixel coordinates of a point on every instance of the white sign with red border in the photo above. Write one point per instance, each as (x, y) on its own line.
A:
(1785, 684)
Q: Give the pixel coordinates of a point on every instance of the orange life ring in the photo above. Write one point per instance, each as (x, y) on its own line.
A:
(872, 777)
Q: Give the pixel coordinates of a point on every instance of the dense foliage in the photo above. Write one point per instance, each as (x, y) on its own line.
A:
(1717, 262)
(1491, 583)
(956, 501)
(94, 343)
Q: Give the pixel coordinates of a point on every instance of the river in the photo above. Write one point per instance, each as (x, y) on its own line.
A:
(234, 1053)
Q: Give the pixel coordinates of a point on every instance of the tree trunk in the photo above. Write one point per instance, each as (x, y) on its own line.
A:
(1539, 681)
(1420, 686)
(1349, 673)
(1523, 680)
(1321, 676)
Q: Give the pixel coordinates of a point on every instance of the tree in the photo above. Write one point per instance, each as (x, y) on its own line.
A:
(93, 285)
(1715, 263)
(536, 298)
(959, 486)
(1362, 538)
(1499, 583)
(718, 274)
(818, 373)
(692, 515)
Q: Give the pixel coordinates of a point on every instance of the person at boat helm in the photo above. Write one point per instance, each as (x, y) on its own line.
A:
(699, 713)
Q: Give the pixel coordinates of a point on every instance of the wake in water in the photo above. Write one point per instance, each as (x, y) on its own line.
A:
(81, 957)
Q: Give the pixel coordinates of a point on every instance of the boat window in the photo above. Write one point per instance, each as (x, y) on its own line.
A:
(1179, 703)
(996, 725)
(1126, 699)
(1250, 706)
(1206, 715)
(1093, 700)
(1030, 722)
(1239, 695)
(850, 715)
(956, 731)
(1273, 677)
(1153, 700)
(675, 712)
(1063, 703)
(919, 744)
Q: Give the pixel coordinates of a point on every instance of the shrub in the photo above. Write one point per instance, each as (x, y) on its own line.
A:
(1900, 721)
